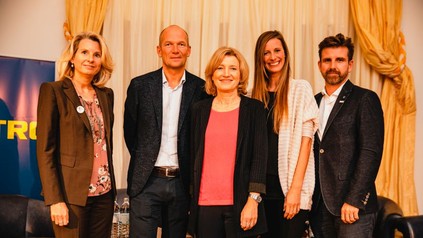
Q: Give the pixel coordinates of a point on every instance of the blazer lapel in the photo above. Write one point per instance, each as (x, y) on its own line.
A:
(318, 98)
(243, 114)
(188, 90)
(156, 91)
(342, 97)
(70, 92)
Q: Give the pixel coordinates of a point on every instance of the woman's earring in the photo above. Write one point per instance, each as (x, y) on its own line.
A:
(71, 65)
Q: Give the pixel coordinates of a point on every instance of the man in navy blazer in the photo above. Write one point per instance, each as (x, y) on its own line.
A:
(156, 130)
(348, 147)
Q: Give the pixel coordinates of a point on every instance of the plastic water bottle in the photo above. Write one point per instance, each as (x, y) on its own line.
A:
(124, 218)
(115, 224)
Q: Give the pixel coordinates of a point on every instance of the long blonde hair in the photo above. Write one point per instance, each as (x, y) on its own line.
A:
(66, 71)
(261, 79)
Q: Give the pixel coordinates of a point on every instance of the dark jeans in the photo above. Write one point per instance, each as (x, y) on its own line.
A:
(279, 226)
(217, 221)
(93, 220)
(324, 224)
(162, 201)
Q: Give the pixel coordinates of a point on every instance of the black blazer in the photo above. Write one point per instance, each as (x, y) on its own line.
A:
(65, 149)
(143, 125)
(250, 163)
(349, 154)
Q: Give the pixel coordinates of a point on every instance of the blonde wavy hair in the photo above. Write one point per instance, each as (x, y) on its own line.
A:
(214, 63)
(64, 66)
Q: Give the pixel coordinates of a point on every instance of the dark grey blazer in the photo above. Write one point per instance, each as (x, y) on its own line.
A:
(250, 164)
(143, 125)
(65, 149)
(349, 154)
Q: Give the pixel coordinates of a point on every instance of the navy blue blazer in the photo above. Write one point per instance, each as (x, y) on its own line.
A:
(143, 125)
(350, 152)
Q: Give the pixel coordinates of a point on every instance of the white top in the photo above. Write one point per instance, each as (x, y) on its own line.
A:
(302, 120)
(325, 107)
(168, 153)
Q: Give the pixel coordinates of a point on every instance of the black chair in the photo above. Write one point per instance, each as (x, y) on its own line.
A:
(390, 219)
(387, 215)
(24, 217)
(410, 226)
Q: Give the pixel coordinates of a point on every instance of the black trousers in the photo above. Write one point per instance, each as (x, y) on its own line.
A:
(93, 220)
(280, 227)
(217, 221)
(326, 225)
(162, 201)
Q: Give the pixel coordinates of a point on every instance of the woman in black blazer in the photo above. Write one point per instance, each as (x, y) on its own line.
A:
(74, 140)
(229, 146)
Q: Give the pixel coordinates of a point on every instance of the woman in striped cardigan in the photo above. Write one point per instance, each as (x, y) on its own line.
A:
(291, 123)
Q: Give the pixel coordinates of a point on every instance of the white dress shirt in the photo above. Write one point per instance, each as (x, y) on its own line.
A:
(325, 108)
(168, 154)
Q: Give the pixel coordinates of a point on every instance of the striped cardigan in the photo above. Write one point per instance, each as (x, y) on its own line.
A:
(303, 114)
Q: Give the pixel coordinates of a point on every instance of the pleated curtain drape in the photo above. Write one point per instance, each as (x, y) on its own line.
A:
(84, 15)
(378, 28)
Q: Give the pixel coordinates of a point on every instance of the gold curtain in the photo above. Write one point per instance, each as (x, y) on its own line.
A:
(377, 25)
(84, 15)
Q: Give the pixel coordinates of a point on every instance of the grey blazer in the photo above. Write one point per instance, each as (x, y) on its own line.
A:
(350, 152)
(143, 126)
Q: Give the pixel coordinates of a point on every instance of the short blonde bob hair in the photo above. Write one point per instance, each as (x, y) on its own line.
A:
(214, 63)
(64, 66)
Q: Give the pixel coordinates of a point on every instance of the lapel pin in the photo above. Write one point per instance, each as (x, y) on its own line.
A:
(80, 109)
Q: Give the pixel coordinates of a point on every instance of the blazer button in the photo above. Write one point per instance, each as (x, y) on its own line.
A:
(322, 151)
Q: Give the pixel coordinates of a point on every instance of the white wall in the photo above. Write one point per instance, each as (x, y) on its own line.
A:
(34, 29)
(412, 25)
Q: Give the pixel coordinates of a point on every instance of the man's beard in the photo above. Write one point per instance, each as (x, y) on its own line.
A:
(335, 80)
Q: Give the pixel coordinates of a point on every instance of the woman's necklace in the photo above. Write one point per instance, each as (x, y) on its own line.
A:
(86, 95)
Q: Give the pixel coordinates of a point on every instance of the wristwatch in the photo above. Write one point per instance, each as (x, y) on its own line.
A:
(256, 197)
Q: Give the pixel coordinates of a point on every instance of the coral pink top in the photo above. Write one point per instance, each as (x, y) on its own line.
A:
(217, 178)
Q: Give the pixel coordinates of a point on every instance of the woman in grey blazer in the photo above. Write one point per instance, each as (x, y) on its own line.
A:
(74, 140)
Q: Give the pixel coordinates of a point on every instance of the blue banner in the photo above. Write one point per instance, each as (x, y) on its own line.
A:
(20, 80)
